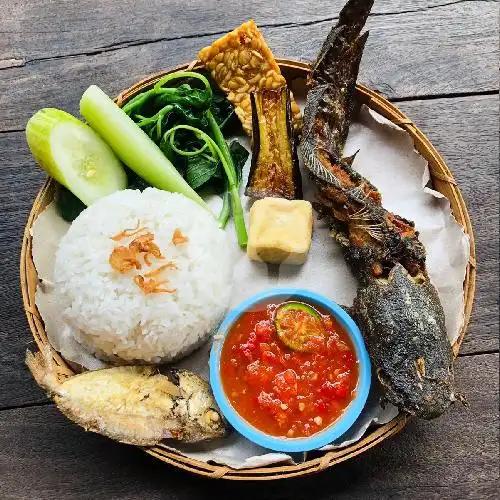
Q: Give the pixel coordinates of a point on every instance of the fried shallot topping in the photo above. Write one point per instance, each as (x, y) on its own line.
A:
(126, 233)
(159, 270)
(144, 244)
(178, 238)
(123, 260)
(126, 258)
(151, 285)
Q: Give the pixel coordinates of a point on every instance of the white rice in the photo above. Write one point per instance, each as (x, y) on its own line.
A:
(109, 314)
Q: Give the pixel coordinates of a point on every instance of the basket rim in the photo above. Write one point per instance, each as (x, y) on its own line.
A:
(443, 180)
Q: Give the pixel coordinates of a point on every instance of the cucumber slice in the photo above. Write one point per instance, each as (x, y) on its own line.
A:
(73, 154)
(131, 144)
(299, 326)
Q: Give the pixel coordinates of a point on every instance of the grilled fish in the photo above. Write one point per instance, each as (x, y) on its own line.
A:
(396, 307)
(134, 404)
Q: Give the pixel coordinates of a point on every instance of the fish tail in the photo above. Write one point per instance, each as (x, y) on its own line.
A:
(40, 366)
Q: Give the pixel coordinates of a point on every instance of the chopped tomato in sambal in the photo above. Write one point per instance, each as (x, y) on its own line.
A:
(284, 391)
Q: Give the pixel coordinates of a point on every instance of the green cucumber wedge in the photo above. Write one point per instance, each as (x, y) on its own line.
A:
(73, 154)
(131, 144)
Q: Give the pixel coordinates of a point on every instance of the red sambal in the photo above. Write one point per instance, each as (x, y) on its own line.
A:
(282, 391)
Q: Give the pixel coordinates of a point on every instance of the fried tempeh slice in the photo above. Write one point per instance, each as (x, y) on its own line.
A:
(241, 62)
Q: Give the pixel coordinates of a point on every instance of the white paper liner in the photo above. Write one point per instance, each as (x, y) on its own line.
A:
(387, 158)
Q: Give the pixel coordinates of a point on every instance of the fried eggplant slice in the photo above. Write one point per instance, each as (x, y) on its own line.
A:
(133, 404)
(275, 166)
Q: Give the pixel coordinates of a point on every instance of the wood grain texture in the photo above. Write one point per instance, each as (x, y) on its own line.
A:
(456, 127)
(453, 457)
(462, 129)
(435, 51)
(19, 182)
(102, 26)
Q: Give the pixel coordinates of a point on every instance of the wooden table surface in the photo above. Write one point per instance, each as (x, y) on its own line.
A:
(436, 58)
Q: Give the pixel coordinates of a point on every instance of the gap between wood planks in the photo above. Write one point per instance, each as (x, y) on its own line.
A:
(424, 97)
(428, 97)
(6, 64)
(49, 402)
(477, 353)
(27, 405)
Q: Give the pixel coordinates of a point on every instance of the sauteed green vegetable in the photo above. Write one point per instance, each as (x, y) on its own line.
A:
(185, 117)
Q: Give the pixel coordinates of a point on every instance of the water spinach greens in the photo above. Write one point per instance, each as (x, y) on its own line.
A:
(185, 117)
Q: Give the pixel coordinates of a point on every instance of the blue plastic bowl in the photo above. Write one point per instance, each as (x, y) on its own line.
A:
(330, 433)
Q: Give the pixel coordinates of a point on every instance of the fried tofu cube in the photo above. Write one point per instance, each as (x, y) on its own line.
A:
(280, 231)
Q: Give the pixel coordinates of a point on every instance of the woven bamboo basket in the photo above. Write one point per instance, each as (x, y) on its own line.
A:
(443, 182)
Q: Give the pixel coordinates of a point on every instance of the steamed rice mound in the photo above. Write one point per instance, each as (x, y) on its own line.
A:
(108, 313)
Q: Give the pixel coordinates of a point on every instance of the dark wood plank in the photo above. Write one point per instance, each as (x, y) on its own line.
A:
(44, 456)
(456, 126)
(438, 51)
(18, 187)
(462, 129)
(97, 25)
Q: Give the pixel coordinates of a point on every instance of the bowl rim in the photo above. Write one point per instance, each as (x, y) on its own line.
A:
(334, 430)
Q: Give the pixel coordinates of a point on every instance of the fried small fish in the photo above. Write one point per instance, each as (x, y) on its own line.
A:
(134, 404)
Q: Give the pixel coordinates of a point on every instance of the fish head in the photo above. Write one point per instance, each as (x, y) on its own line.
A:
(198, 407)
(403, 324)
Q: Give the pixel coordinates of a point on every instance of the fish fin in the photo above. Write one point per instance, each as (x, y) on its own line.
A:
(41, 367)
(383, 401)
(349, 160)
